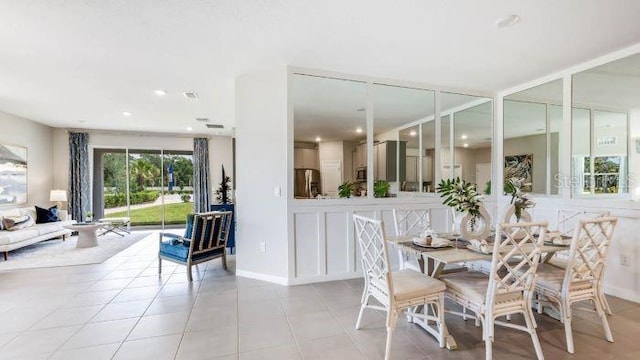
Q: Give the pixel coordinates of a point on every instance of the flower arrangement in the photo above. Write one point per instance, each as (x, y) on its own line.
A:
(223, 193)
(460, 195)
(519, 199)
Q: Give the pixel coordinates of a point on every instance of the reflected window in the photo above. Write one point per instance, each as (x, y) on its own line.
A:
(403, 123)
(532, 127)
(329, 136)
(466, 126)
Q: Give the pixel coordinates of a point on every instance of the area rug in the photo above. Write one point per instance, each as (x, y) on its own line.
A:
(53, 253)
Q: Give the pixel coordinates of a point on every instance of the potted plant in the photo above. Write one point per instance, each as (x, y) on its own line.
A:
(223, 197)
(381, 188)
(223, 193)
(346, 189)
(519, 200)
(463, 197)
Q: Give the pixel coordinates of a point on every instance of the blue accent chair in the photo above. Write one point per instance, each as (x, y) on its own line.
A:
(231, 243)
(205, 239)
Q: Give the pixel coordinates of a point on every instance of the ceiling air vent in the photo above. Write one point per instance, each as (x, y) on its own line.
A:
(202, 119)
(215, 126)
(190, 95)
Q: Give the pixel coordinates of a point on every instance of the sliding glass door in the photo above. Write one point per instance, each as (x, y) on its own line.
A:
(151, 187)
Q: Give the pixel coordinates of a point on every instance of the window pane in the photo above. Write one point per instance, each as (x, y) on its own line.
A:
(470, 128)
(397, 115)
(329, 135)
(581, 150)
(525, 144)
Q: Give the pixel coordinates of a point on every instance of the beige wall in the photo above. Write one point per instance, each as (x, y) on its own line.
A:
(38, 139)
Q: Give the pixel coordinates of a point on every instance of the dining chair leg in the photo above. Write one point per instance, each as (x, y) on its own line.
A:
(365, 301)
(391, 325)
(603, 318)
(566, 319)
(159, 266)
(528, 318)
(604, 303)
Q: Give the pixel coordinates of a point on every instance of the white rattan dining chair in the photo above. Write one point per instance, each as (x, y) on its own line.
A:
(568, 219)
(396, 291)
(408, 223)
(581, 279)
(508, 287)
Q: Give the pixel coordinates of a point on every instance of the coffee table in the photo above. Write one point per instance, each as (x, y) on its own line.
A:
(116, 225)
(87, 233)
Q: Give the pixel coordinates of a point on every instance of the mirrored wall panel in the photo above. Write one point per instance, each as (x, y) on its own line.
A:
(605, 99)
(532, 126)
(466, 134)
(402, 133)
(329, 131)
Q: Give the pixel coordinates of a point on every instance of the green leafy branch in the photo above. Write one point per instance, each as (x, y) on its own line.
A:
(460, 195)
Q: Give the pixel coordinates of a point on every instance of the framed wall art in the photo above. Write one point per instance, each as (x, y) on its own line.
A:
(13, 174)
(519, 166)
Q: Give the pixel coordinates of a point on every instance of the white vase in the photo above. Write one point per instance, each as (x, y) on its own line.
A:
(510, 215)
(478, 229)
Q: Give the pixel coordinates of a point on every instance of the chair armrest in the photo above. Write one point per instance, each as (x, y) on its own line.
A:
(175, 239)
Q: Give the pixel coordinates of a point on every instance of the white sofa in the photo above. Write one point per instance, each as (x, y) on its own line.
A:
(11, 240)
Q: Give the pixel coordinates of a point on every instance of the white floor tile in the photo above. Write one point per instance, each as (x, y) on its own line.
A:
(158, 325)
(100, 352)
(107, 332)
(155, 348)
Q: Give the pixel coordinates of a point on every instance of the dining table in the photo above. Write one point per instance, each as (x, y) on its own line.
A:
(432, 261)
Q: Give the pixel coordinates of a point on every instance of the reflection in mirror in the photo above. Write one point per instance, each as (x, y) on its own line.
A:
(605, 99)
(532, 124)
(329, 130)
(466, 124)
(399, 145)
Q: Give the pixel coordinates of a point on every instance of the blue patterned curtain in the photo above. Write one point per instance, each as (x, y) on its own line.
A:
(78, 175)
(201, 174)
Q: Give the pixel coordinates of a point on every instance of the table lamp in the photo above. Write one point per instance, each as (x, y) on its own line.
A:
(58, 196)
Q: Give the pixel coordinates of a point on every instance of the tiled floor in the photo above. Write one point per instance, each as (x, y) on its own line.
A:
(122, 309)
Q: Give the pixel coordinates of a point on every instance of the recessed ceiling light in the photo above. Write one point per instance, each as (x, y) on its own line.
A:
(189, 128)
(508, 21)
(318, 139)
(359, 130)
(126, 113)
(191, 95)
(413, 133)
(465, 145)
(160, 92)
(463, 136)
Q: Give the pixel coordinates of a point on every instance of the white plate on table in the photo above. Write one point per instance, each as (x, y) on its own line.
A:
(431, 246)
(475, 249)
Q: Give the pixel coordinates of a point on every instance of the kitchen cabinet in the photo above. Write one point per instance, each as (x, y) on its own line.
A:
(304, 158)
(389, 160)
(361, 156)
(412, 168)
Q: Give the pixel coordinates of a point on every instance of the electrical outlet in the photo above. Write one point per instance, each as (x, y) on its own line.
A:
(263, 247)
(624, 260)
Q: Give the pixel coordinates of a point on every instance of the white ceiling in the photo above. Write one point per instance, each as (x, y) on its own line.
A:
(79, 63)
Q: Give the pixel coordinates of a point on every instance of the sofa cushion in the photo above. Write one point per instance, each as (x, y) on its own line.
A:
(47, 215)
(13, 223)
(47, 228)
(12, 237)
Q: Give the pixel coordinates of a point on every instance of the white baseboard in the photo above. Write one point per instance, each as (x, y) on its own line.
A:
(324, 278)
(622, 293)
(264, 277)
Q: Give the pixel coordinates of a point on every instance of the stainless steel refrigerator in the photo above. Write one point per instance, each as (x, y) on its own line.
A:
(307, 183)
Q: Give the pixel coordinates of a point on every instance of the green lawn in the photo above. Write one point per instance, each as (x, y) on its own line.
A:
(174, 214)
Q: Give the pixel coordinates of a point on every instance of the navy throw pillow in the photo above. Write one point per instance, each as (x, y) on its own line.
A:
(47, 215)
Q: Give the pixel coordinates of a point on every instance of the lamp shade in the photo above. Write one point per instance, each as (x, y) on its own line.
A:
(58, 195)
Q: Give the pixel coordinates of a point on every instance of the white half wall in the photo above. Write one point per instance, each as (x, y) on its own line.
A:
(38, 139)
(262, 152)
